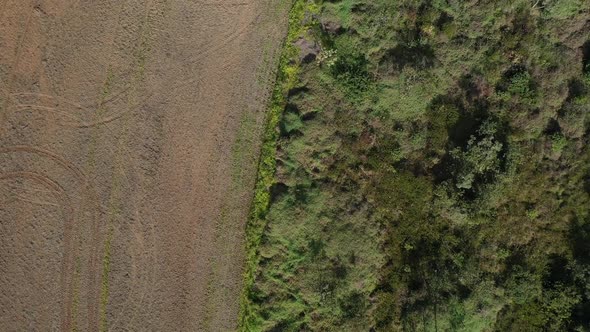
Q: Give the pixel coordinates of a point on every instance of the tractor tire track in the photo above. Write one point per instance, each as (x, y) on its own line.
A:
(132, 110)
(216, 47)
(68, 213)
(85, 188)
(12, 74)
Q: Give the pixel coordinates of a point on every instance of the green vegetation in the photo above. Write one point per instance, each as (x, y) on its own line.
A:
(286, 78)
(429, 171)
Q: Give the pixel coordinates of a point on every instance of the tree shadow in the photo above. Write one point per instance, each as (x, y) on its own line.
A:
(586, 57)
(408, 55)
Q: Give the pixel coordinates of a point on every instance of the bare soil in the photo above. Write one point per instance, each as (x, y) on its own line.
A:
(128, 145)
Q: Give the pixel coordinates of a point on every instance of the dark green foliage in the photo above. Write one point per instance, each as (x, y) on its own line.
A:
(352, 304)
(480, 161)
(434, 172)
(350, 70)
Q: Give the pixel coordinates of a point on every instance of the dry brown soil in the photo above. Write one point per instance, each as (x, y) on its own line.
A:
(128, 143)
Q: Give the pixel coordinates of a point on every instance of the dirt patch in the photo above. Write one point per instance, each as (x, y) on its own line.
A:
(128, 139)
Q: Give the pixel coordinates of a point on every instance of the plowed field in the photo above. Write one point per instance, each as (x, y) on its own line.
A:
(129, 133)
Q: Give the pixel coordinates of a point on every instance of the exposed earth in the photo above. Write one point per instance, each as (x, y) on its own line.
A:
(128, 146)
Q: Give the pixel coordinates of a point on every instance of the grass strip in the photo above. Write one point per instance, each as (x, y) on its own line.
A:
(287, 79)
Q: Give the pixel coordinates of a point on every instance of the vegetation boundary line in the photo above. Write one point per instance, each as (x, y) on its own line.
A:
(286, 79)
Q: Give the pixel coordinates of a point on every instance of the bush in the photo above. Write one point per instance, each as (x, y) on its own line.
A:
(481, 161)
